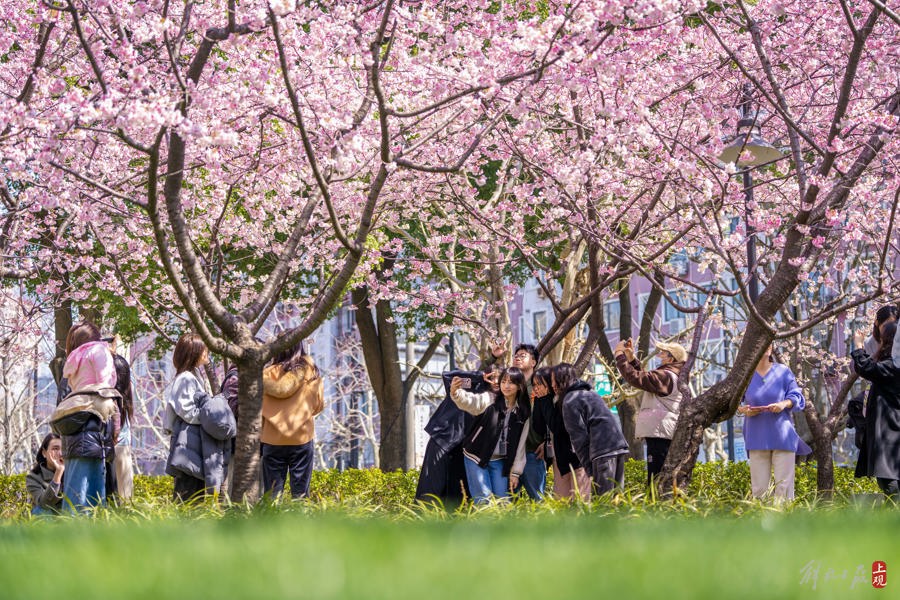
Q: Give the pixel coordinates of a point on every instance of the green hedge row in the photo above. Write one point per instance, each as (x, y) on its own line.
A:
(713, 484)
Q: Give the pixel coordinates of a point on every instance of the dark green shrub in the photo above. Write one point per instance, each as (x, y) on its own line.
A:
(370, 486)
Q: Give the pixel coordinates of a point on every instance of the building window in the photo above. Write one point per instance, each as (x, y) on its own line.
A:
(612, 315)
(670, 313)
(540, 325)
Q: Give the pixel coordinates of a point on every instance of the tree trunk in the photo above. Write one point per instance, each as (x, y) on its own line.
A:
(382, 358)
(721, 400)
(246, 459)
(596, 326)
(822, 452)
(824, 431)
(392, 407)
(62, 323)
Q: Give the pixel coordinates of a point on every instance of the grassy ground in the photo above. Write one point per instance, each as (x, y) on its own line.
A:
(308, 552)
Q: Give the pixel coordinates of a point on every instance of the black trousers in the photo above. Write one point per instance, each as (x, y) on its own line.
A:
(188, 488)
(657, 450)
(608, 473)
(890, 487)
(443, 474)
(279, 461)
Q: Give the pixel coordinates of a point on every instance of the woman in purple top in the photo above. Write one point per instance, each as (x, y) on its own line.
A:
(769, 435)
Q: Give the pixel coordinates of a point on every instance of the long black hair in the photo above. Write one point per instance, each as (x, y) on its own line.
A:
(39, 459)
(545, 374)
(517, 378)
(888, 311)
(123, 386)
(292, 359)
(888, 331)
(566, 376)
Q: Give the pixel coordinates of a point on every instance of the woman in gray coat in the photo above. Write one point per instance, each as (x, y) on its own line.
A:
(201, 426)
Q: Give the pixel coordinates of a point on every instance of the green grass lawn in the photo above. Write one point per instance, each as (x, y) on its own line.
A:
(492, 554)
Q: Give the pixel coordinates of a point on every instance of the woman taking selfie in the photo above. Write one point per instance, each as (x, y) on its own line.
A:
(494, 448)
(878, 456)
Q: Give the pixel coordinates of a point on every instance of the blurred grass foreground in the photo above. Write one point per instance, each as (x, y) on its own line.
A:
(361, 536)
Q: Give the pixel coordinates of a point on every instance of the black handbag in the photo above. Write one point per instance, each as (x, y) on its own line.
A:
(857, 420)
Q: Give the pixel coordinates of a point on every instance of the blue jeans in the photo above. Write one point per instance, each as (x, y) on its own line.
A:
(487, 481)
(534, 477)
(84, 483)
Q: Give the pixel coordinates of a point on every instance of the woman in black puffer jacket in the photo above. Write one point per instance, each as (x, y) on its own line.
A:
(596, 433)
(569, 477)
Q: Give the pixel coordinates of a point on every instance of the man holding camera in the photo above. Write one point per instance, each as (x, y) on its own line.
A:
(661, 401)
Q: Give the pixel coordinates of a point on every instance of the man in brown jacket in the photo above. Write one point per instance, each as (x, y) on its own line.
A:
(660, 402)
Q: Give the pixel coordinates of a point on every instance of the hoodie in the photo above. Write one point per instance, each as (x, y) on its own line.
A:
(90, 364)
(291, 400)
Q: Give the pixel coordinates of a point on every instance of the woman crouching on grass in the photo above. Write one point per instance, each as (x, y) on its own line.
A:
(494, 448)
(44, 481)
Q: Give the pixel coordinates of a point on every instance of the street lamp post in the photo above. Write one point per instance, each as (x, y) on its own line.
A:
(451, 350)
(748, 140)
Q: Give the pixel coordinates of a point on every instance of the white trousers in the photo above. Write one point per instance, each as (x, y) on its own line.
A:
(124, 471)
(762, 463)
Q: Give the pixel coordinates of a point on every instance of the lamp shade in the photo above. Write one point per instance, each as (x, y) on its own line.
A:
(763, 152)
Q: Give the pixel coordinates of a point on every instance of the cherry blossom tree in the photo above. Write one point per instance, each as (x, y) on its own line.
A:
(819, 72)
(218, 158)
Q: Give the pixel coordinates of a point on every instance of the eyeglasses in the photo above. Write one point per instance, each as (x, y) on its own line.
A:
(522, 355)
